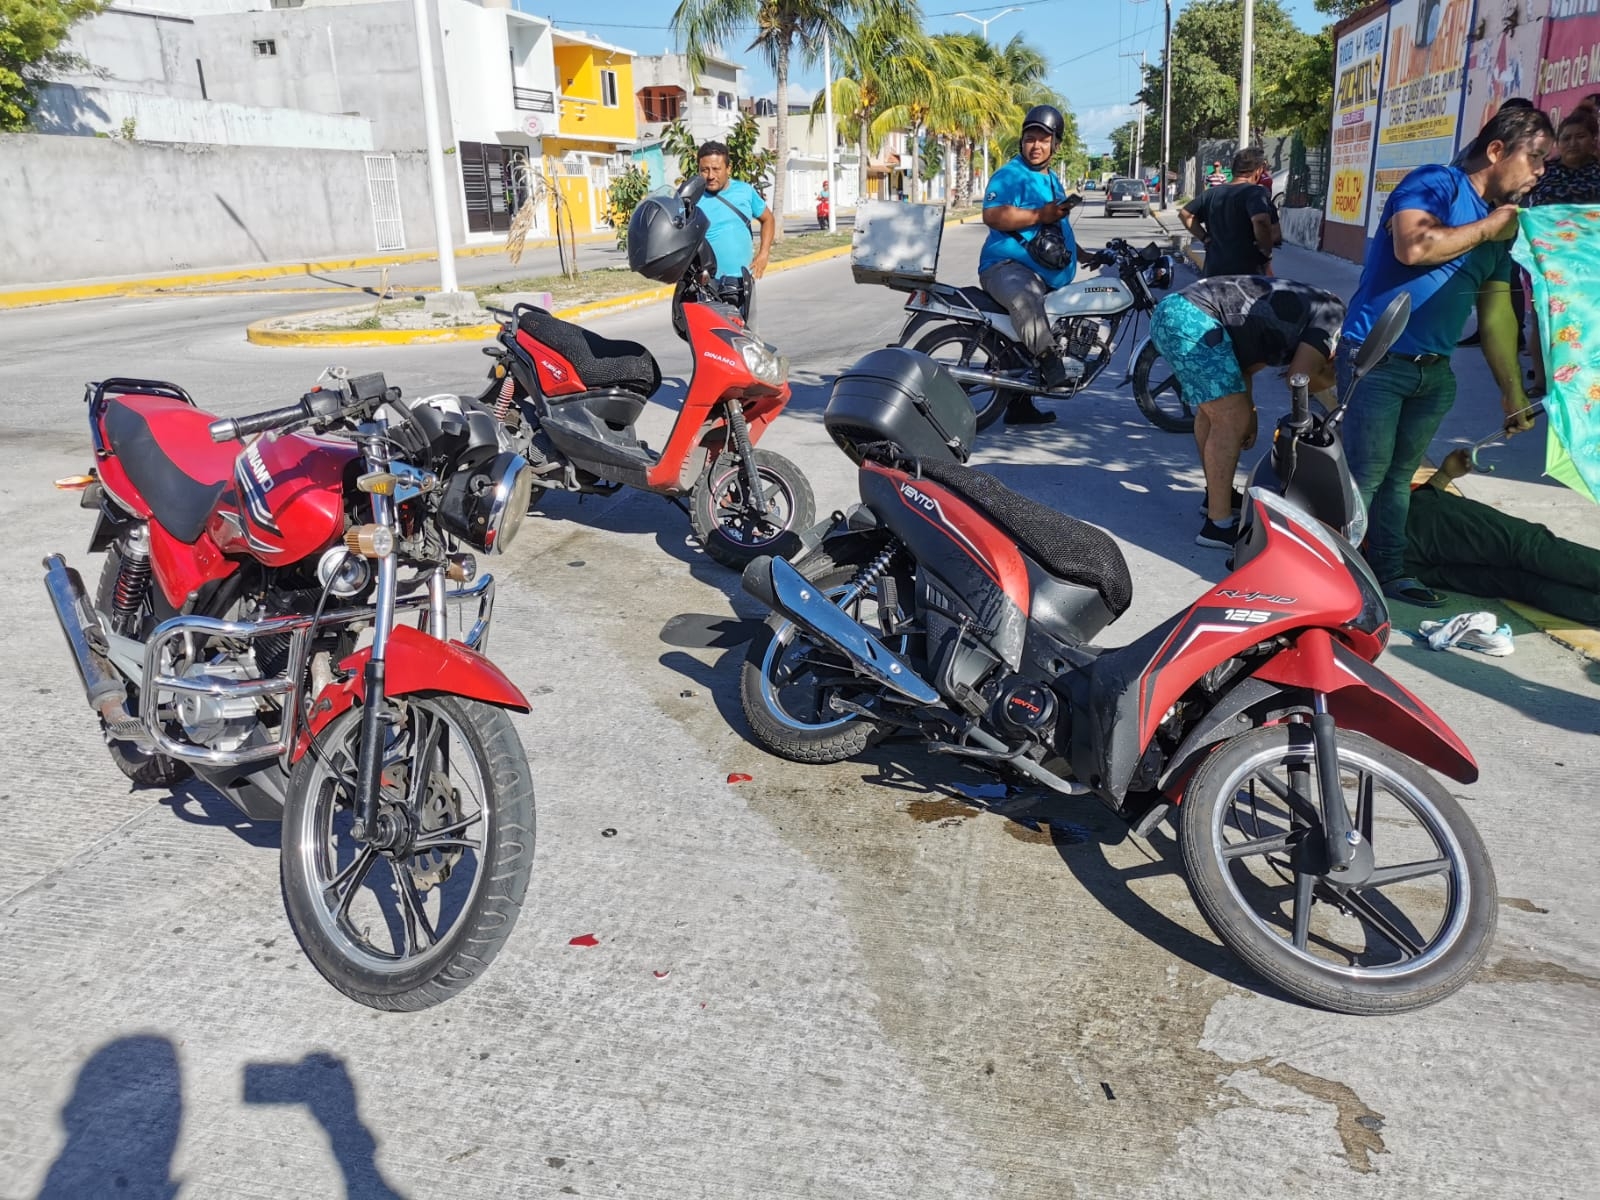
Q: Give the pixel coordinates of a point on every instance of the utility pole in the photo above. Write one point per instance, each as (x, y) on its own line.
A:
(827, 108)
(1245, 70)
(430, 125)
(984, 21)
(1136, 159)
(1166, 108)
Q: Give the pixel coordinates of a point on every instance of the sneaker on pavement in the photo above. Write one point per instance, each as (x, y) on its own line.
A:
(1220, 537)
(1442, 635)
(1238, 503)
(1497, 644)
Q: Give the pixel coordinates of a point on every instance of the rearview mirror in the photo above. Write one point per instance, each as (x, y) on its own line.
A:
(691, 189)
(1385, 333)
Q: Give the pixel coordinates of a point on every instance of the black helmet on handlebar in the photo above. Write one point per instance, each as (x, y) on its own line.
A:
(1047, 117)
(666, 231)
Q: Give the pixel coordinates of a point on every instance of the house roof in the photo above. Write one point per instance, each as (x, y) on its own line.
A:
(565, 37)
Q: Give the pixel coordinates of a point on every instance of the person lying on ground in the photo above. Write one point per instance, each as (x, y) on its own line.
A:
(1465, 546)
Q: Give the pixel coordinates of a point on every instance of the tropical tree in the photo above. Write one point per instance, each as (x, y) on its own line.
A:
(784, 29)
(869, 68)
(31, 33)
(1302, 98)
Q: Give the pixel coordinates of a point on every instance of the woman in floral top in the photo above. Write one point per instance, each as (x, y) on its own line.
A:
(1572, 178)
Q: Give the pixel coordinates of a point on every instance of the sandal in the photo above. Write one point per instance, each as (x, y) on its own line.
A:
(1412, 591)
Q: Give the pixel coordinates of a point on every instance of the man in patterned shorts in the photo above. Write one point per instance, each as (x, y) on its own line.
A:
(1216, 334)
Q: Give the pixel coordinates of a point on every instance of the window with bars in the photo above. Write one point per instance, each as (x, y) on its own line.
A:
(265, 48)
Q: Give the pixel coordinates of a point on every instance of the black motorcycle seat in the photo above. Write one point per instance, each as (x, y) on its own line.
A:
(1066, 547)
(601, 362)
(181, 498)
(982, 300)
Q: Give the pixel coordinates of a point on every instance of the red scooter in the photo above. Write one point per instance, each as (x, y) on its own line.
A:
(252, 626)
(950, 610)
(569, 398)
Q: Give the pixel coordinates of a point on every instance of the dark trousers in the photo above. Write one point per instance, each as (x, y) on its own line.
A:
(1464, 546)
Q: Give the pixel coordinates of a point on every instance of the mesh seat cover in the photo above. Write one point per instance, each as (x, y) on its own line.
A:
(601, 362)
(1066, 547)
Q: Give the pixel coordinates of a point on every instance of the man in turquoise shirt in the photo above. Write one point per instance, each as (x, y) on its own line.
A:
(1022, 198)
(730, 205)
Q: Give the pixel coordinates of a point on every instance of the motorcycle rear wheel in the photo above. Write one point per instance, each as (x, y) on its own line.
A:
(375, 923)
(784, 700)
(978, 349)
(725, 522)
(1159, 394)
(145, 769)
(1250, 834)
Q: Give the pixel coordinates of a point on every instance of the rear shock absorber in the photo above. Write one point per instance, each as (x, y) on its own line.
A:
(502, 404)
(133, 578)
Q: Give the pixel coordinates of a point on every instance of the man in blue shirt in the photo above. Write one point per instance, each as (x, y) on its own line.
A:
(1444, 237)
(1022, 198)
(730, 205)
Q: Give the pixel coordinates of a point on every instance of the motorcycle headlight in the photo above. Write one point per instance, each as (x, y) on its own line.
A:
(484, 504)
(765, 363)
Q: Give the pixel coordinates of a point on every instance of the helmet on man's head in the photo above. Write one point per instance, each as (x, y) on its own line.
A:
(1047, 117)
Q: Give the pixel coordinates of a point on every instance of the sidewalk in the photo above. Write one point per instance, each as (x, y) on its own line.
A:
(1517, 484)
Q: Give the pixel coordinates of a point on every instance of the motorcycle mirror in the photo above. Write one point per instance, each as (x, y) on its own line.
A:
(1385, 333)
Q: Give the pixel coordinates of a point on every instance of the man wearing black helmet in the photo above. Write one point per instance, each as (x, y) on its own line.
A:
(1023, 199)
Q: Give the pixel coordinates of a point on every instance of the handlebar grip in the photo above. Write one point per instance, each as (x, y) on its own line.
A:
(231, 428)
(1300, 400)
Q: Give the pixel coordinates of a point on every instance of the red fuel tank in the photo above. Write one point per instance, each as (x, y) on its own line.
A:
(288, 493)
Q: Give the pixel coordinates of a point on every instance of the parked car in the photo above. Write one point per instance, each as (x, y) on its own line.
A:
(1127, 195)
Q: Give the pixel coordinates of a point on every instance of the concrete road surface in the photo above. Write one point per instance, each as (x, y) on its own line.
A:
(874, 988)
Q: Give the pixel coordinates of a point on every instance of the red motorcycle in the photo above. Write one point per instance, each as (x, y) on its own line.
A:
(951, 610)
(570, 398)
(251, 627)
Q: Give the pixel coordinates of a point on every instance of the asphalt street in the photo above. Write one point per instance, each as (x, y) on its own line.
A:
(875, 985)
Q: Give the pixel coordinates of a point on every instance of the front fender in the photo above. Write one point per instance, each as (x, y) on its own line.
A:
(1134, 358)
(415, 663)
(1363, 698)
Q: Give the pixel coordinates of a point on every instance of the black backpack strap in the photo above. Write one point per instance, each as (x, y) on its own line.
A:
(737, 210)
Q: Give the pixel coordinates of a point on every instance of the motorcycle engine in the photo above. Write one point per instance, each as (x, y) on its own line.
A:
(1028, 710)
(1083, 338)
(220, 722)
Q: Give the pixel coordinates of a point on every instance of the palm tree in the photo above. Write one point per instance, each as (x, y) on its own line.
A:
(782, 27)
(869, 67)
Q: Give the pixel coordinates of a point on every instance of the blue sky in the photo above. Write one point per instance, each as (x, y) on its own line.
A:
(1084, 39)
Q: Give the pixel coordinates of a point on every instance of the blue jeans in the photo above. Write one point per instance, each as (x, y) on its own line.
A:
(1394, 413)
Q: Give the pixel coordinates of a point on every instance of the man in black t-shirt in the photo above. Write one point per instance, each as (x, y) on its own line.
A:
(1217, 333)
(1236, 222)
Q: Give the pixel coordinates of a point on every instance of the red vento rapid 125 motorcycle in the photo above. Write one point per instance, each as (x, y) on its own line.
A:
(570, 398)
(949, 609)
(251, 626)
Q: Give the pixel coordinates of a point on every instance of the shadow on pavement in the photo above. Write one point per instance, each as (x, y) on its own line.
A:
(322, 1083)
(200, 804)
(121, 1124)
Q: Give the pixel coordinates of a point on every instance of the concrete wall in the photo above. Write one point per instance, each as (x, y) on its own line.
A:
(84, 207)
(86, 111)
(1302, 226)
(136, 51)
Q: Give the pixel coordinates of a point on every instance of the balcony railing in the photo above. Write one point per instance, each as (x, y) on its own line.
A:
(533, 100)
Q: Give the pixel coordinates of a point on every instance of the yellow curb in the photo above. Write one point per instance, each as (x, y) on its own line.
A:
(20, 297)
(612, 303)
(259, 334)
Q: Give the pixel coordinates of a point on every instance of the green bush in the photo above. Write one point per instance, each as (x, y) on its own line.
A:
(626, 191)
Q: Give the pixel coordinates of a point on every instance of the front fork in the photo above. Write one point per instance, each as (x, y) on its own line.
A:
(379, 829)
(1349, 859)
(739, 435)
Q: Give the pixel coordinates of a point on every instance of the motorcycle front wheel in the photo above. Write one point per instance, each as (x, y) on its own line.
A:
(726, 520)
(789, 681)
(978, 350)
(407, 928)
(1404, 928)
(1158, 393)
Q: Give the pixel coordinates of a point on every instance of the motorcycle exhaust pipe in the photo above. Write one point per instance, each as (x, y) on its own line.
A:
(102, 684)
(783, 589)
(1003, 383)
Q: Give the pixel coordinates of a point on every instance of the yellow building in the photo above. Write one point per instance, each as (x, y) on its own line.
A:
(597, 124)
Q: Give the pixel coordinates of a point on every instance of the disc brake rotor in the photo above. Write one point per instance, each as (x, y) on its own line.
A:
(440, 807)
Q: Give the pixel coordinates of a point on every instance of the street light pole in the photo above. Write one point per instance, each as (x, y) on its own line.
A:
(1246, 68)
(1136, 159)
(984, 21)
(1166, 108)
(435, 144)
(827, 108)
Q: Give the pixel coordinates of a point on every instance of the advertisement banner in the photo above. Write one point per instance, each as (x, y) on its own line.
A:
(1423, 73)
(1505, 59)
(1357, 74)
(1570, 67)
